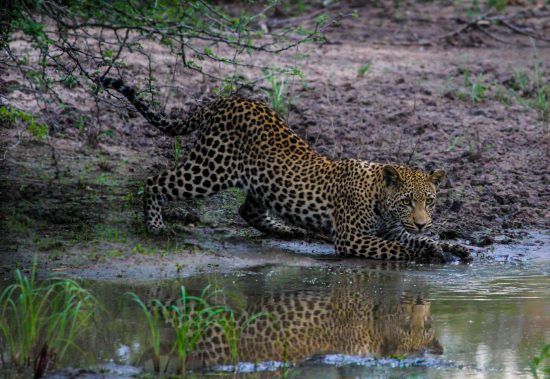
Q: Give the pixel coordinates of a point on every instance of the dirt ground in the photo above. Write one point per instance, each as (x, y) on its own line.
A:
(383, 87)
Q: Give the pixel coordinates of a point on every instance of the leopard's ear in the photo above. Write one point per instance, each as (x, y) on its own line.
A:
(437, 177)
(391, 176)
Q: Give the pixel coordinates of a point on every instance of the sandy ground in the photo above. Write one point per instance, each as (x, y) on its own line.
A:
(413, 104)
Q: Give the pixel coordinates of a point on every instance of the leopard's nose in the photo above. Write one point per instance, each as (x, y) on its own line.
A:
(420, 226)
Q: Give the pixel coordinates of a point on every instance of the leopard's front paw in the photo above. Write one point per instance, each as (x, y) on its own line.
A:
(432, 254)
(459, 251)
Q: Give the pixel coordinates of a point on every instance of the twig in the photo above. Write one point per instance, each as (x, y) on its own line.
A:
(498, 39)
(462, 29)
(121, 47)
(503, 20)
(521, 31)
(412, 153)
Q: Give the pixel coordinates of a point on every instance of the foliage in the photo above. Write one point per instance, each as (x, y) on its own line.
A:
(78, 40)
(11, 116)
(40, 321)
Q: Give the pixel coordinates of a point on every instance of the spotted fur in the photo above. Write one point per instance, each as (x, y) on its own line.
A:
(369, 209)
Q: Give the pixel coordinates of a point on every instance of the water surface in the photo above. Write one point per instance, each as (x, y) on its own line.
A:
(345, 318)
(377, 320)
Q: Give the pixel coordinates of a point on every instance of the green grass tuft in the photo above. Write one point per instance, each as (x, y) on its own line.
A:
(540, 364)
(364, 69)
(277, 95)
(39, 322)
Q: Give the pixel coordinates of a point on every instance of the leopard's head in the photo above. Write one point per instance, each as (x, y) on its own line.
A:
(410, 196)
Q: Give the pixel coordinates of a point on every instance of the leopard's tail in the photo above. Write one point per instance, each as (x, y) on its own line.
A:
(169, 126)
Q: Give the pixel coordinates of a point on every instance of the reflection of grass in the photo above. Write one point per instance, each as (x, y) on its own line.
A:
(153, 322)
(233, 329)
(39, 322)
(540, 363)
(191, 317)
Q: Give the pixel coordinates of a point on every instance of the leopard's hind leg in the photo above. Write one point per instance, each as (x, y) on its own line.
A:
(257, 216)
(204, 173)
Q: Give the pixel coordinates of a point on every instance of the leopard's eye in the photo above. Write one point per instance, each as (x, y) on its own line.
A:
(429, 201)
(406, 201)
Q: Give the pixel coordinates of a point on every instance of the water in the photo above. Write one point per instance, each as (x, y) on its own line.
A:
(350, 319)
(480, 321)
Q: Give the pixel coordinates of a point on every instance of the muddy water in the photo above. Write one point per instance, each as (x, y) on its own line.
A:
(377, 320)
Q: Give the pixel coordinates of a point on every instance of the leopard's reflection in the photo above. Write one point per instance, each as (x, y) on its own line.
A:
(304, 324)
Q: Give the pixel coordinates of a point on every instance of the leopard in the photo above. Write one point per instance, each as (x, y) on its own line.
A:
(367, 209)
(354, 318)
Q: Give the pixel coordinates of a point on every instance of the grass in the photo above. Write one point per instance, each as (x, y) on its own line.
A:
(530, 88)
(364, 69)
(39, 322)
(18, 223)
(540, 367)
(502, 95)
(105, 232)
(177, 150)
(233, 329)
(477, 89)
(527, 87)
(154, 323)
(45, 243)
(276, 95)
(144, 250)
(191, 317)
(541, 88)
(11, 116)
